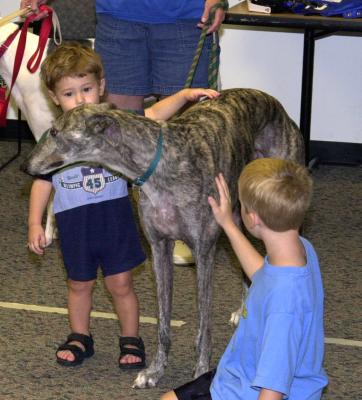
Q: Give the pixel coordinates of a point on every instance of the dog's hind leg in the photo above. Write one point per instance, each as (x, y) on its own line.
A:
(280, 139)
(163, 269)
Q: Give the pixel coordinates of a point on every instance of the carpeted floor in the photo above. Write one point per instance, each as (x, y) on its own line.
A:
(29, 338)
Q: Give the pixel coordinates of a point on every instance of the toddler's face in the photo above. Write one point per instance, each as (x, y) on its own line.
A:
(73, 91)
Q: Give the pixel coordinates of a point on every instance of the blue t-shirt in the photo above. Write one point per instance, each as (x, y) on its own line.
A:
(279, 343)
(152, 11)
(83, 185)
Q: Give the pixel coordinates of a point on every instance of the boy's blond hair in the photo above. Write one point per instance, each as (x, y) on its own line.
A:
(70, 59)
(279, 191)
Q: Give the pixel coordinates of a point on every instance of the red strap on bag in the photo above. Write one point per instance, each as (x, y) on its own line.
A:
(45, 30)
(36, 57)
(3, 106)
(8, 42)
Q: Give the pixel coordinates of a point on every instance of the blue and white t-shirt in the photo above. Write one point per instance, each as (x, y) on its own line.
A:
(82, 185)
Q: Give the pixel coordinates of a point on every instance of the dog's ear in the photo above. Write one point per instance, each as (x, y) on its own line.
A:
(104, 124)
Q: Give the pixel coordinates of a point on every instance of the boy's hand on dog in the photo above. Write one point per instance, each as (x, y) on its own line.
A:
(194, 94)
(222, 211)
(36, 239)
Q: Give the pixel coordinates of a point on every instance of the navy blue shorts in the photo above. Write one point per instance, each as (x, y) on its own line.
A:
(198, 389)
(142, 59)
(99, 235)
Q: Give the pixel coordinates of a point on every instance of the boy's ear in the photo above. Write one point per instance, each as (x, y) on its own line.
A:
(53, 97)
(254, 218)
(102, 85)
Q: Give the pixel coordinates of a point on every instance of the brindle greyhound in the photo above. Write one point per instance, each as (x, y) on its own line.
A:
(213, 136)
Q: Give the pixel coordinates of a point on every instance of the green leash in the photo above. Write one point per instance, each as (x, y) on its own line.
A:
(213, 69)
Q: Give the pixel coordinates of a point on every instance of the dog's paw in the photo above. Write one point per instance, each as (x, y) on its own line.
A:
(48, 241)
(235, 317)
(147, 378)
(50, 235)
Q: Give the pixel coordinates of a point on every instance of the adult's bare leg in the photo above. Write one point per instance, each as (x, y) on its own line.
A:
(126, 102)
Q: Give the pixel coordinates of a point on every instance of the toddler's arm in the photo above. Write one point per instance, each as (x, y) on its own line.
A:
(39, 196)
(249, 258)
(167, 107)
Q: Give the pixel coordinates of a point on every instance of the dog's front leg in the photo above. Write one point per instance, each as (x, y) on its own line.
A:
(50, 226)
(163, 269)
(236, 315)
(205, 266)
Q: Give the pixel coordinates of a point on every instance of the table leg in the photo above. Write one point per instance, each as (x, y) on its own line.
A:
(19, 134)
(307, 89)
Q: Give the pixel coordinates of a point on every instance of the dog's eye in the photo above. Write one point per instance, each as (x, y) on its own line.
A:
(53, 132)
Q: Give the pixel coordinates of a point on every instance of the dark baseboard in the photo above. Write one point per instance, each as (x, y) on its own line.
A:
(323, 152)
(336, 152)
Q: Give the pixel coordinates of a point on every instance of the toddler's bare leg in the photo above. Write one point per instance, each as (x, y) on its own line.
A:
(79, 308)
(169, 396)
(126, 305)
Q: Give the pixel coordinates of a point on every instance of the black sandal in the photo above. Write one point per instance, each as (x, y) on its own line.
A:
(79, 354)
(124, 342)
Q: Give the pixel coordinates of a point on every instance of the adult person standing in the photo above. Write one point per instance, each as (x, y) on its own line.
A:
(147, 48)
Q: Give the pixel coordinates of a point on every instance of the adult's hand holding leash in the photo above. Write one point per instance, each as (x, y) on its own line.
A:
(217, 18)
(34, 8)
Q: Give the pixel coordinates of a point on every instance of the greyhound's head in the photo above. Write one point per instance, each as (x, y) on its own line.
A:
(78, 135)
(96, 134)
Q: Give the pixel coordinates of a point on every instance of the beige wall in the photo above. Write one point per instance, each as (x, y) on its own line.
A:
(272, 61)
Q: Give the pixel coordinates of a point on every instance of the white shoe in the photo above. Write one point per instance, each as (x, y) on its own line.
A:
(182, 254)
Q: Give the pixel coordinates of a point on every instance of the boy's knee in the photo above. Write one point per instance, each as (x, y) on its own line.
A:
(120, 285)
(169, 396)
(121, 289)
(80, 286)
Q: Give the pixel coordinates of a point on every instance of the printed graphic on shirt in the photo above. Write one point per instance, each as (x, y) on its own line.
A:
(93, 181)
(83, 185)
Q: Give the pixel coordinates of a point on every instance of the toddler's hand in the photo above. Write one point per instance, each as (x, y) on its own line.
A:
(36, 239)
(223, 211)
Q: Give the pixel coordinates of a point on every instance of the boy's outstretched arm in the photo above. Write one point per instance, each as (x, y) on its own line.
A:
(167, 107)
(249, 258)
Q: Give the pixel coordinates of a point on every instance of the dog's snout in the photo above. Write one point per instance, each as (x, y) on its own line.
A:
(53, 132)
(25, 167)
(55, 165)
